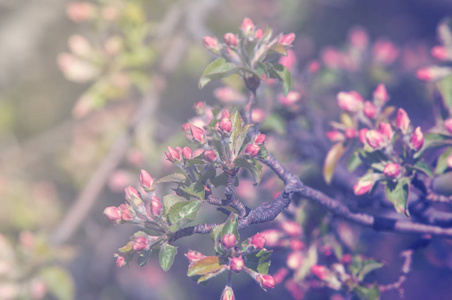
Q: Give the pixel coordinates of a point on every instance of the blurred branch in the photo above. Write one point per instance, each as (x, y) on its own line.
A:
(175, 51)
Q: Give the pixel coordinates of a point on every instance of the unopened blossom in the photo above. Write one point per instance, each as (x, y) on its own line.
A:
(237, 264)
(375, 139)
(287, 40)
(258, 240)
(80, 11)
(433, 73)
(363, 186)
(296, 244)
(385, 52)
(198, 134)
(272, 237)
(229, 240)
(320, 271)
(335, 136)
(440, 53)
(140, 244)
(252, 150)
(386, 129)
(126, 213)
(209, 155)
(265, 281)
(258, 34)
(369, 110)
(350, 133)
(362, 135)
(156, 206)
(391, 170)
(380, 95)
(187, 153)
(172, 154)
(231, 39)
(260, 139)
(225, 125)
(402, 121)
(146, 180)
(247, 26)
(350, 101)
(211, 44)
(194, 256)
(417, 139)
(113, 214)
(359, 38)
(228, 294)
(120, 261)
(291, 98)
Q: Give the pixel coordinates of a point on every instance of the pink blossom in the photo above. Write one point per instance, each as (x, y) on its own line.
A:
(350, 101)
(391, 170)
(209, 155)
(252, 150)
(350, 133)
(266, 281)
(194, 256)
(258, 240)
(417, 139)
(146, 180)
(113, 214)
(320, 271)
(237, 264)
(375, 139)
(287, 40)
(247, 26)
(156, 206)
(260, 139)
(210, 43)
(386, 129)
(291, 228)
(291, 98)
(362, 135)
(385, 52)
(289, 61)
(369, 110)
(335, 136)
(448, 125)
(231, 39)
(363, 186)
(229, 240)
(402, 121)
(172, 154)
(380, 95)
(225, 125)
(198, 134)
(440, 53)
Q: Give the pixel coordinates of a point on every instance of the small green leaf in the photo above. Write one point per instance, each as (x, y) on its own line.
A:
(166, 256)
(259, 261)
(58, 282)
(209, 264)
(331, 160)
(196, 189)
(355, 162)
(230, 226)
(175, 177)
(221, 179)
(433, 140)
(126, 248)
(284, 76)
(184, 211)
(240, 138)
(169, 201)
(251, 165)
(367, 267)
(397, 193)
(211, 275)
(217, 69)
(367, 293)
(423, 167)
(445, 88)
(216, 236)
(441, 165)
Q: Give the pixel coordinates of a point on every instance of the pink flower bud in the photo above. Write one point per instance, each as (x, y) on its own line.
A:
(289, 61)
(186, 127)
(296, 245)
(391, 170)
(292, 98)
(260, 139)
(350, 133)
(417, 139)
(440, 53)
(210, 43)
(126, 214)
(187, 152)
(200, 107)
(146, 181)
(113, 214)
(291, 228)
(359, 38)
(229, 241)
(272, 237)
(433, 73)
(198, 134)
(448, 125)
(369, 110)
(350, 101)
(362, 135)
(375, 139)
(380, 95)
(252, 150)
(294, 260)
(449, 161)
(140, 244)
(247, 26)
(156, 206)
(131, 193)
(313, 66)
(265, 281)
(258, 34)
(257, 115)
(237, 264)
(335, 136)
(385, 52)
(172, 155)
(258, 240)
(346, 258)
(228, 294)
(225, 125)
(280, 275)
(231, 39)
(386, 129)
(120, 261)
(363, 186)
(320, 271)
(209, 155)
(287, 40)
(80, 11)
(402, 121)
(194, 256)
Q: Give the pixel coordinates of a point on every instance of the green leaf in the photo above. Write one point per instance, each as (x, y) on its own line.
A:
(217, 69)
(251, 165)
(367, 267)
(236, 121)
(58, 281)
(397, 193)
(184, 211)
(211, 275)
(445, 88)
(196, 189)
(240, 138)
(216, 236)
(259, 261)
(175, 177)
(230, 226)
(367, 293)
(166, 256)
(331, 161)
(126, 248)
(355, 162)
(169, 201)
(194, 161)
(423, 167)
(433, 140)
(209, 264)
(221, 179)
(441, 165)
(284, 75)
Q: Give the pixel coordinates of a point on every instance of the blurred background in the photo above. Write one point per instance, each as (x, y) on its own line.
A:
(92, 92)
